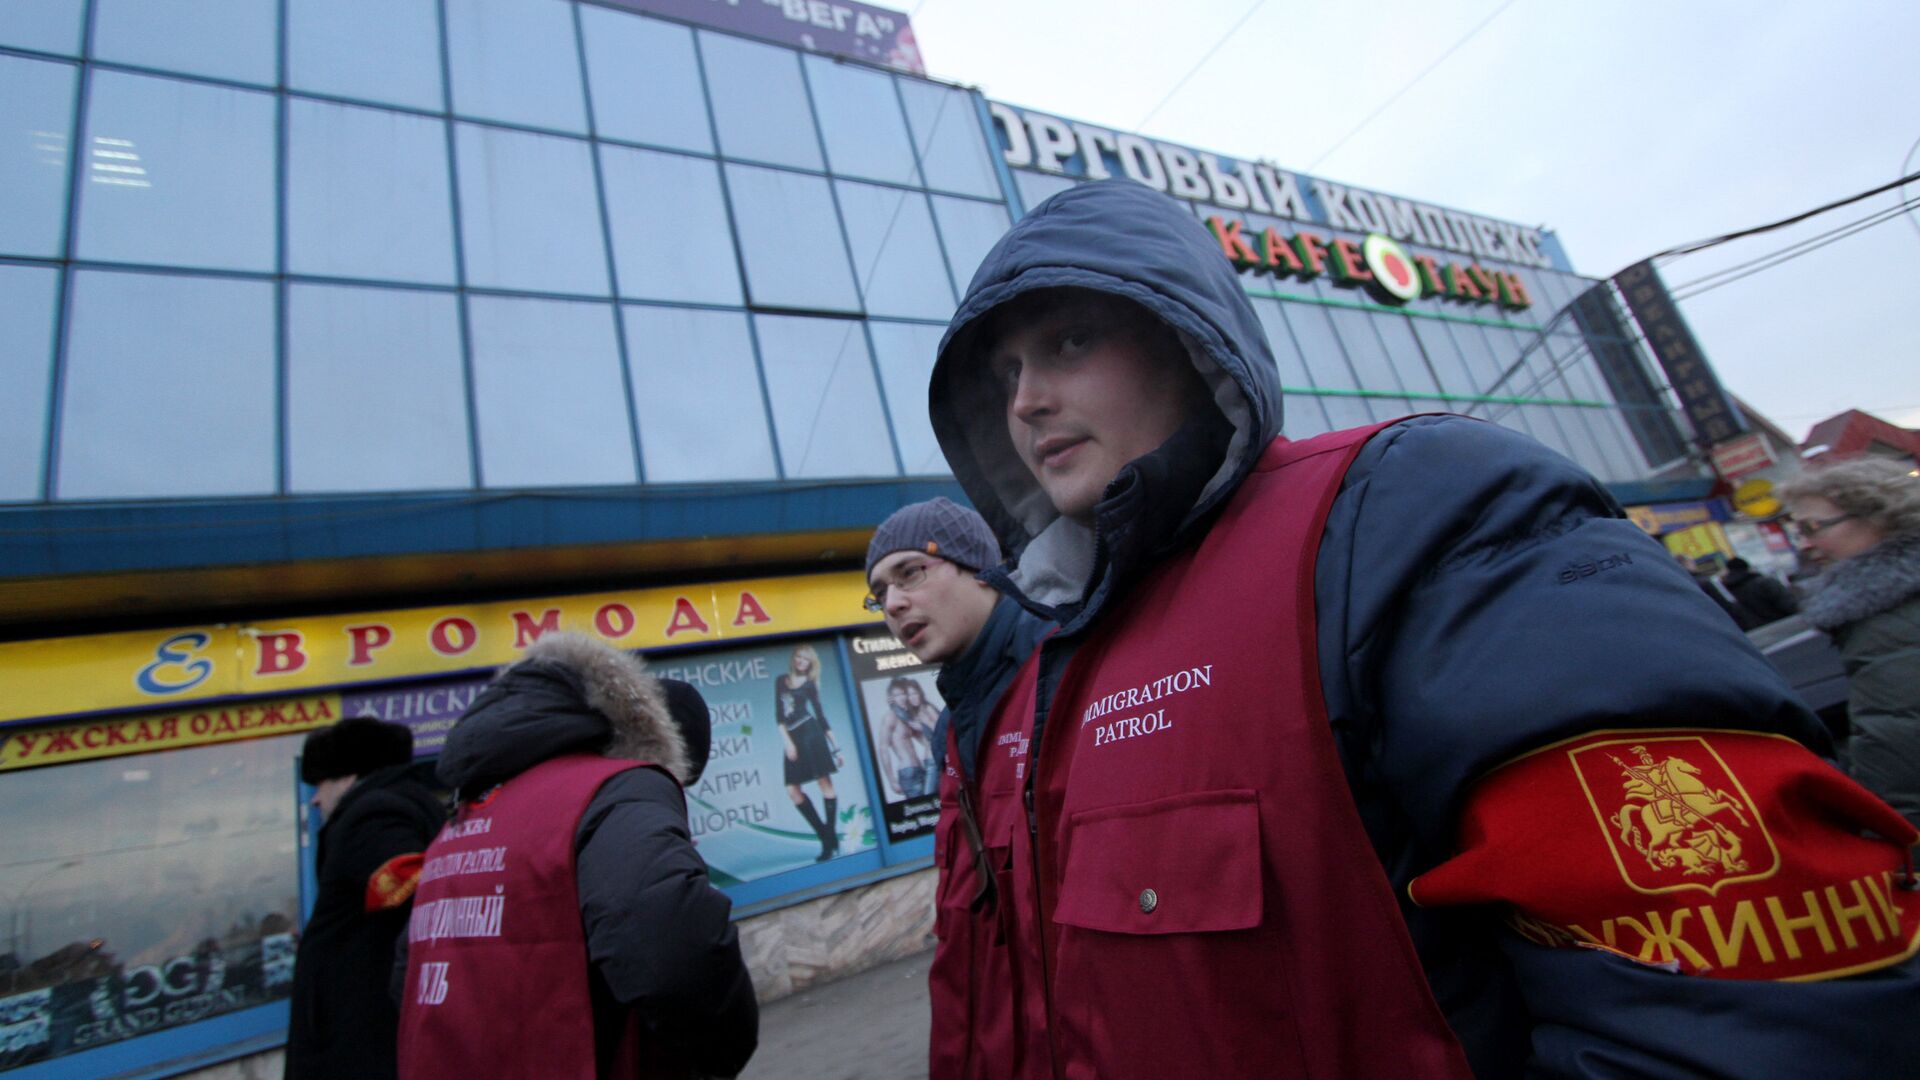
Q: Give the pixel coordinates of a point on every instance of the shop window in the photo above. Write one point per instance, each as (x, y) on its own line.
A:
(709, 428)
(826, 409)
(548, 397)
(26, 362)
(946, 132)
(1326, 364)
(671, 239)
(44, 25)
(373, 50)
(968, 230)
(759, 102)
(516, 62)
(144, 893)
(376, 398)
(198, 418)
(790, 238)
(895, 252)
(1304, 415)
(528, 213)
(367, 194)
(645, 81)
(860, 122)
(177, 173)
(225, 39)
(905, 353)
(34, 155)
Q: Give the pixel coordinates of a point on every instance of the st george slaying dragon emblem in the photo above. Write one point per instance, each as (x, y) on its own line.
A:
(1675, 816)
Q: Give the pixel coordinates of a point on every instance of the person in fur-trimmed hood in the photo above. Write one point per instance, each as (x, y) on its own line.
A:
(1863, 516)
(565, 925)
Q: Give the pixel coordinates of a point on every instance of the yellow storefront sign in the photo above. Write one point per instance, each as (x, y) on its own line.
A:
(26, 748)
(159, 668)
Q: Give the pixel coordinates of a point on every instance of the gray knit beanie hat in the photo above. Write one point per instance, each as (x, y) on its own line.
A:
(938, 527)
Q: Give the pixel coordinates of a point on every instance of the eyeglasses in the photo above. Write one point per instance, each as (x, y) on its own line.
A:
(1815, 527)
(910, 578)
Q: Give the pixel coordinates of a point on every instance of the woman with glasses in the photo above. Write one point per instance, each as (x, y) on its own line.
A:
(812, 756)
(1863, 519)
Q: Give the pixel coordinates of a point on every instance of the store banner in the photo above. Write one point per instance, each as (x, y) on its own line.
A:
(1713, 417)
(428, 711)
(902, 705)
(29, 747)
(782, 730)
(73, 676)
(835, 27)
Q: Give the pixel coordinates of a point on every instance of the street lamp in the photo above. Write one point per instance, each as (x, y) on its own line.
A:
(23, 916)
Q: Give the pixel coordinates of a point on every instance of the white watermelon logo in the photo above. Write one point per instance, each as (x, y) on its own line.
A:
(1392, 267)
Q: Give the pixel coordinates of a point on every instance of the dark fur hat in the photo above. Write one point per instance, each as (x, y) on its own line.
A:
(689, 712)
(354, 747)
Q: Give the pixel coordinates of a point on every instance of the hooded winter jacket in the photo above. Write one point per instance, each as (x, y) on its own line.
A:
(1474, 599)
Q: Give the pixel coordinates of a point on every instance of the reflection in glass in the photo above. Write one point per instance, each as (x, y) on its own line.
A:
(375, 50)
(376, 399)
(516, 62)
(645, 80)
(669, 222)
(968, 230)
(548, 396)
(43, 25)
(759, 102)
(905, 353)
(860, 122)
(946, 132)
(367, 194)
(177, 173)
(227, 39)
(790, 236)
(528, 213)
(696, 393)
(34, 129)
(26, 366)
(894, 249)
(826, 410)
(199, 419)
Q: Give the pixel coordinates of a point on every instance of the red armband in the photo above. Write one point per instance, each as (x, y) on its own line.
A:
(393, 884)
(1724, 853)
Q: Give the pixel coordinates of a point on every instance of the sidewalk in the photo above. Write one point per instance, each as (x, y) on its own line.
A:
(871, 1026)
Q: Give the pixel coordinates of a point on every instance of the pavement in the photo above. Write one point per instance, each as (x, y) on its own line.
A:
(870, 1026)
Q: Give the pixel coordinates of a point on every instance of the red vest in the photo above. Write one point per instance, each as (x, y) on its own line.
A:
(1211, 904)
(497, 969)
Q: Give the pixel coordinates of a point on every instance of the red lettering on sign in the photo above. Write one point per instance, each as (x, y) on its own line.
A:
(686, 617)
(1347, 263)
(1279, 256)
(200, 723)
(90, 737)
(1313, 252)
(280, 653)
(614, 620)
(26, 740)
(452, 636)
(1513, 291)
(1429, 275)
(750, 611)
(364, 640)
(1233, 245)
(526, 631)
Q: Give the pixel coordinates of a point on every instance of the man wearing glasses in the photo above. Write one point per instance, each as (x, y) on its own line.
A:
(921, 568)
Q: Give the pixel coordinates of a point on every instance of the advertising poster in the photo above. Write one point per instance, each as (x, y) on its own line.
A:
(429, 710)
(785, 757)
(901, 704)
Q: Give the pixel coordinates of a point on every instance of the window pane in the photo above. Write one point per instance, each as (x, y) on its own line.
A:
(529, 216)
(1404, 355)
(26, 364)
(968, 229)
(860, 122)
(1369, 359)
(790, 236)
(46, 25)
(34, 154)
(227, 39)
(548, 395)
(671, 240)
(946, 132)
(376, 398)
(645, 80)
(759, 102)
(516, 62)
(693, 376)
(891, 233)
(198, 419)
(1445, 357)
(825, 407)
(375, 50)
(1326, 364)
(124, 871)
(905, 352)
(367, 194)
(1036, 188)
(178, 173)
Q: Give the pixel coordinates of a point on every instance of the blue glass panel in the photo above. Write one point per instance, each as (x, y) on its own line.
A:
(367, 194)
(375, 50)
(1303, 414)
(1326, 363)
(178, 173)
(26, 366)
(376, 395)
(645, 80)
(1035, 188)
(968, 230)
(669, 222)
(1369, 359)
(169, 388)
(696, 392)
(790, 236)
(759, 102)
(516, 62)
(860, 122)
(548, 396)
(946, 132)
(529, 216)
(895, 251)
(44, 25)
(905, 353)
(34, 154)
(826, 410)
(1445, 357)
(1403, 353)
(227, 39)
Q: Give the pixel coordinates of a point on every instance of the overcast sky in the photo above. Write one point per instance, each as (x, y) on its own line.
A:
(1627, 127)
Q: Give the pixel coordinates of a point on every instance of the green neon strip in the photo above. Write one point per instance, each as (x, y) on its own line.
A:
(1408, 312)
(1490, 399)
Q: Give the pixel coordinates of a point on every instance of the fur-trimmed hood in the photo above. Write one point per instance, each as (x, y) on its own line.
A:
(1867, 584)
(569, 693)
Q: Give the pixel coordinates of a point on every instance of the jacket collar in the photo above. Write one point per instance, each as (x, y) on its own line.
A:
(1874, 581)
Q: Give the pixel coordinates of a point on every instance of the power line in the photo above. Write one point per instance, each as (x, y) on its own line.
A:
(1411, 83)
(1807, 243)
(1202, 62)
(1840, 234)
(1906, 167)
(1702, 245)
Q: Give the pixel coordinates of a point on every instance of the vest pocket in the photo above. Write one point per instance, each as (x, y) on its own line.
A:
(1184, 864)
